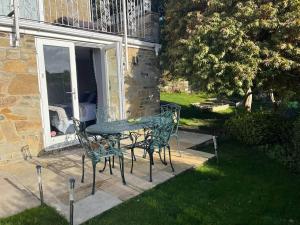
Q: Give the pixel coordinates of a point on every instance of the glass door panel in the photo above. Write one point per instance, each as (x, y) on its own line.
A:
(58, 82)
(59, 88)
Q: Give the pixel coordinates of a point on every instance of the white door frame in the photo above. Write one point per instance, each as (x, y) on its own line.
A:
(63, 139)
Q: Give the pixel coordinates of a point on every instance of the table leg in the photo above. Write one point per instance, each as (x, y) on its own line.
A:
(110, 170)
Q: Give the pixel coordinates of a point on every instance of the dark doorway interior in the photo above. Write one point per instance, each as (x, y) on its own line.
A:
(87, 86)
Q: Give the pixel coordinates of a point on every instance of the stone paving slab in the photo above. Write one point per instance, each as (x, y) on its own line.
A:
(59, 167)
(14, 198)
(93, 205)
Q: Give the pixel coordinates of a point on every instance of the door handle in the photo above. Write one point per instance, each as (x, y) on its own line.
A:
(73, 93)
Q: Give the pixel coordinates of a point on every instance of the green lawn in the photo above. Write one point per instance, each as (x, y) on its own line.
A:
(246, 188)
(205, 121)
(36, 216)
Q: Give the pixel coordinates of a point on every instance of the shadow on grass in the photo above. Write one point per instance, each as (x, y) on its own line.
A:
(42, 215)
(206, 120)
(245, 188)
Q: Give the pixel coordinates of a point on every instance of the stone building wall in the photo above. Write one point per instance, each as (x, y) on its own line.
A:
(142, 83)
(20, 117)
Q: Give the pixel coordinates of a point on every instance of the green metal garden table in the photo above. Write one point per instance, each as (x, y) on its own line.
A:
(116, 129)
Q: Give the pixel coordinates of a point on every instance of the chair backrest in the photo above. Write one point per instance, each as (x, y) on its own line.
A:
(161, 132)
(175, 110)
(89, 146)
(81, 135)
(94, 150)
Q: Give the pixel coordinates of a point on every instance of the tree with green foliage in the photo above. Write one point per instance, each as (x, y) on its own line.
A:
(234, 46)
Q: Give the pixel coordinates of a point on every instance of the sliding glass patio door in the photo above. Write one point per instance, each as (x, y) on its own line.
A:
(59, 93)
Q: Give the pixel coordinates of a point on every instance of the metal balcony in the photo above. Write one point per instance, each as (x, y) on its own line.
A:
(94, 15)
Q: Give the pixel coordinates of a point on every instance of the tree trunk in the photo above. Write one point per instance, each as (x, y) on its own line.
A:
(248, 100)
(272, 97)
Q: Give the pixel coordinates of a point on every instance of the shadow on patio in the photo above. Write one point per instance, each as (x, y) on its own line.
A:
(59, 167)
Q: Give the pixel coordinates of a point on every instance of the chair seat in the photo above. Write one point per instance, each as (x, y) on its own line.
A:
(101, 153)
(145, 145)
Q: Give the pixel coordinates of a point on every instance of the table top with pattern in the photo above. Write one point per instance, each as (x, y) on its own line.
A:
(121, 126)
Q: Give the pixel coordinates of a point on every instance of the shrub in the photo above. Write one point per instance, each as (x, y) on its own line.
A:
(259, 128)
(296, 138)
(294, 153)
(289, 153)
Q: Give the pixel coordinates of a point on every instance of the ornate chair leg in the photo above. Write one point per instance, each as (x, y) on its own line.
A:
(83, 159)
(113, 162)
(94, 178)
(170, 158)
(132, 159)
(159, 153)
(121, 162)
(105, 161)
(145, 154)
(151, 163)
(110, 170)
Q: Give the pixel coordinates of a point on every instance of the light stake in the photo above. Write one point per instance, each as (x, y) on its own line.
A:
(216, 148)
(39, 174)
(71, 197)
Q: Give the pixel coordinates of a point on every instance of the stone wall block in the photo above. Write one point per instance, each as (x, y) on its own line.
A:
(3, 84)
(9, 131)
(27, 54)
(28, 126)
(4, 42)
(9, 115)
(24, 85)
(13, 53)
(2, 53)
(7, 101)
(15, 66)
(2, 137)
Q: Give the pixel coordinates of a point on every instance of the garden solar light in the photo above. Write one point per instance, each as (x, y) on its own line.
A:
(39, 173)
(71, 197)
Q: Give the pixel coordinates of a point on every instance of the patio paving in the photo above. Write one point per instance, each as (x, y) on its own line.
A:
(19, 189)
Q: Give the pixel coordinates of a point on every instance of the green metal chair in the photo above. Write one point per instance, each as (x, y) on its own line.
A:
(105, 114)
(175, 110)
(97, 151)
(157, 137)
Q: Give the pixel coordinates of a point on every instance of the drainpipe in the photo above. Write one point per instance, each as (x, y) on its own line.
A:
(16, 23)
(125, 33)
